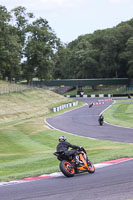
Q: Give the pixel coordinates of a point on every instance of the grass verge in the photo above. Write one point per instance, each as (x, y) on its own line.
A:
(120, 113)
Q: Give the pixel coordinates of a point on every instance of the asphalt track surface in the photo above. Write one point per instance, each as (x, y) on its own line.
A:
(109, 183)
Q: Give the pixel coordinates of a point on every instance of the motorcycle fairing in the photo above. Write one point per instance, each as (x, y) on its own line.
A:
(85, 166)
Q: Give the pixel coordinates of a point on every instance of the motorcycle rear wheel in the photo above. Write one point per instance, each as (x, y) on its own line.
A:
(66, 168)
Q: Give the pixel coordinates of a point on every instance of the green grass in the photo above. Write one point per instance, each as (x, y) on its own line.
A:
(27, 104)
(27, 145)
(120, 114)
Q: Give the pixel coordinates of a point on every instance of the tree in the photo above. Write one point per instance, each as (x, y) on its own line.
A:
(21, 21)
(82, 59)
(108, 56)
(40, 48)
(4, 19)
(129, 54)
(122, 33)
(61, 69)
(9, 47)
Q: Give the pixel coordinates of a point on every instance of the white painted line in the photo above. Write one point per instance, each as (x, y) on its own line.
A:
(101, 165)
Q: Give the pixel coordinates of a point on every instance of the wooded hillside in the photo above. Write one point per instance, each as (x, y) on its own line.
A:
(29, 49)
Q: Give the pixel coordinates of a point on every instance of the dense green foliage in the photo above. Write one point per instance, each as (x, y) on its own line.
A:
(104, 54)
(29, 48)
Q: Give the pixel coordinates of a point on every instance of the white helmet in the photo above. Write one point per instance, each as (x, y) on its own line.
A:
(62, 138)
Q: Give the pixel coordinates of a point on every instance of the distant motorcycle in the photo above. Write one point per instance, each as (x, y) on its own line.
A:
(101, 120)
(68, 163)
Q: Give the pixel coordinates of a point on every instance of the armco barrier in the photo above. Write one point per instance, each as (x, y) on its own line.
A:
(67, 105)
(99, 95)
(92, 95)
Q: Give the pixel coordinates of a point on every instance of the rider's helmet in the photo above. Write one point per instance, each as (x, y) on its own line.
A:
(62, 138)
(101, 116)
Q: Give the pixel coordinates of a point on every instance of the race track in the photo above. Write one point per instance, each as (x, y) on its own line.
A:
(108, 183)
(84, 121)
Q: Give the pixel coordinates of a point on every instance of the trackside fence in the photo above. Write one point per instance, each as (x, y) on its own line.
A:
(14, 88)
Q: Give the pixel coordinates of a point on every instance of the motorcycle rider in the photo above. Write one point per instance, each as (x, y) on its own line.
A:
(64, 146)
(101, 118)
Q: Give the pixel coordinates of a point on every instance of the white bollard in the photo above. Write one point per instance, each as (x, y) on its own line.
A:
(93, 95)
(54, 109)
(58, 109)
(101, 95)
(84, 96)
(70, 104)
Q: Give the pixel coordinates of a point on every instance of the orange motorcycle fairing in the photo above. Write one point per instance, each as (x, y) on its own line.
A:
(85, 166)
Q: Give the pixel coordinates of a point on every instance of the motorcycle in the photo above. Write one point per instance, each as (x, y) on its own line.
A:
(101, 119)
(68, 164)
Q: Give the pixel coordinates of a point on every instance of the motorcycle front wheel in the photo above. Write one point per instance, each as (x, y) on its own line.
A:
(101, 123)
(91, 167)
(66, 168)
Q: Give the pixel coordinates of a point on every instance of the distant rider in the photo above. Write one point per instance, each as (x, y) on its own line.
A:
(101, 118)
(64, 146)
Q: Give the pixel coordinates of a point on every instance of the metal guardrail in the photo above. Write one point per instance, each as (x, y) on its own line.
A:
(98, 95)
